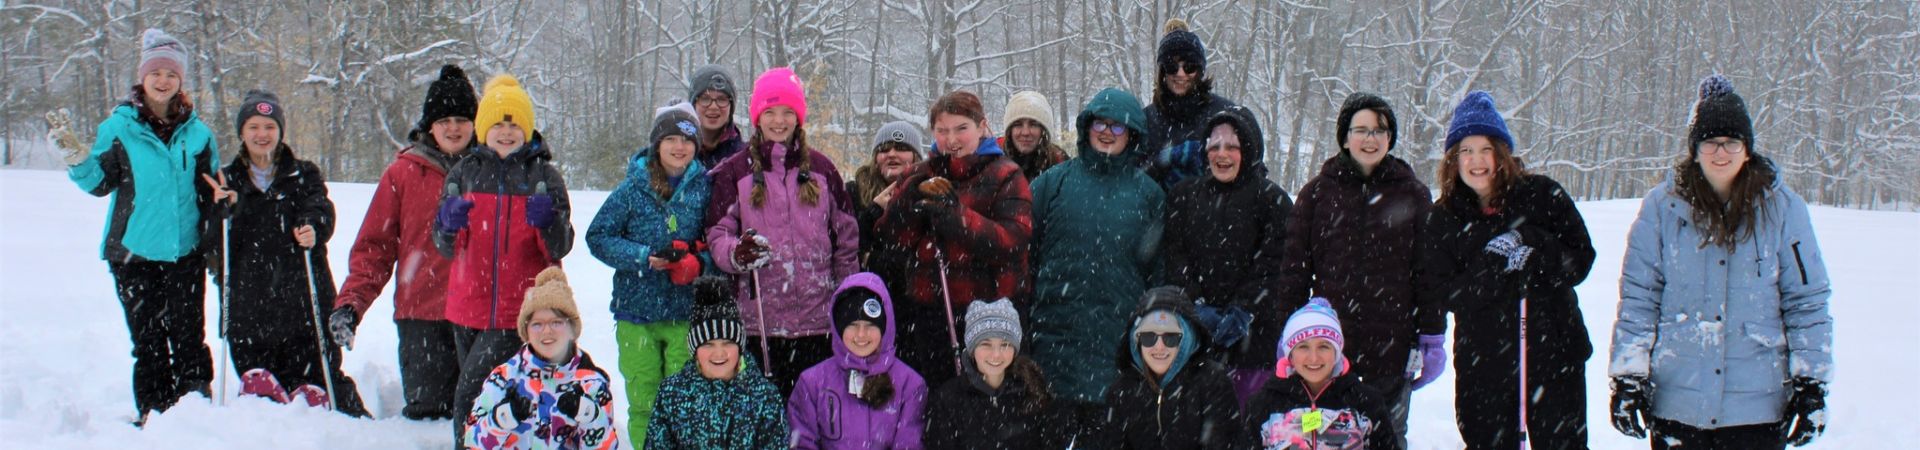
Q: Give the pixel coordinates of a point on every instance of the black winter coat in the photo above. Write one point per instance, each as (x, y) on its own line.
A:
(1224, 242)
(1349, 410)
(1197, 412)
(1456, 271)
(965, 414)
(269, 288)
(1179, 125)
(1351, 240)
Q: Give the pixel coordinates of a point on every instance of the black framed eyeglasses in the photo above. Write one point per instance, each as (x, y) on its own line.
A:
(1148, 338)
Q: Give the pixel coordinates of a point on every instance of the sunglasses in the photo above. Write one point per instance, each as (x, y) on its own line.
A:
(1108, 127)
(1171, 67)
(1148, 338)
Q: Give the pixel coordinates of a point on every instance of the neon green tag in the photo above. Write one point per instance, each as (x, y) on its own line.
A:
(1312, 421)
(673, 223)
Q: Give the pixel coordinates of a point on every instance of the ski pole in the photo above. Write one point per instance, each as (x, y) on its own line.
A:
(1524, 444)
(766, 354)
(946, 297)
(320, 337)
(226, 295)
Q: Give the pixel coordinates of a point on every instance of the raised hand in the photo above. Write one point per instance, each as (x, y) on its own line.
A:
(60, 131)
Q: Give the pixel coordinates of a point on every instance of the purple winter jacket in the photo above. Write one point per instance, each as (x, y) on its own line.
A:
(813, 246)
(824, 415)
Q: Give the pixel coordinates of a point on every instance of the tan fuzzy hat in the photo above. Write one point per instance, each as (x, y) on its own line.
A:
(550, 291)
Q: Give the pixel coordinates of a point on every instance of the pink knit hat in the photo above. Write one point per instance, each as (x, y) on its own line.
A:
(778, 87)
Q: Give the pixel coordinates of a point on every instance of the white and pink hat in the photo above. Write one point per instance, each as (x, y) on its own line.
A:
(1315, 320)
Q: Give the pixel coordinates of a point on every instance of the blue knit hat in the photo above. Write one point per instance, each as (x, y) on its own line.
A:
(1477, 116)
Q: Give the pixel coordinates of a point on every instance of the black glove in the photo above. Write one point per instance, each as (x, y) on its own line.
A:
(341, 323)
(1630, 405)
(1808, 407)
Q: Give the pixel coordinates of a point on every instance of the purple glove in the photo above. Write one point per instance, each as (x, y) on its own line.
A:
(540, 207)
(1433, 359)
(453, 214)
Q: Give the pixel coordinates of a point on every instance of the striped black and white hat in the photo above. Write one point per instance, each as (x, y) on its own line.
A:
(714, 314)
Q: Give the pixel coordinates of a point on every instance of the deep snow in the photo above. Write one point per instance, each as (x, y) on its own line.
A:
(64, 353)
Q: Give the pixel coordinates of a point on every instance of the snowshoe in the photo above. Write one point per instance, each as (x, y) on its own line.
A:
(314, 396)
(260, 383)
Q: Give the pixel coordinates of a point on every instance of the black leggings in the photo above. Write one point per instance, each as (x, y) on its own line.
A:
(1668, 434)
(790, 357)
(165, 308)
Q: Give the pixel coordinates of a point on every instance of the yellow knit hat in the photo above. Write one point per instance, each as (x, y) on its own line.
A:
(504, 101)
(549, 291)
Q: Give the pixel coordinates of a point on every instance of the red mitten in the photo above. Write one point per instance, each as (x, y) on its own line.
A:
(683, 271)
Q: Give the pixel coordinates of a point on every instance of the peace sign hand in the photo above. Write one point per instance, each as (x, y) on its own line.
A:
(220, 191)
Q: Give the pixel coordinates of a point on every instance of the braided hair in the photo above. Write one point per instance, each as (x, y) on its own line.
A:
(761, 150)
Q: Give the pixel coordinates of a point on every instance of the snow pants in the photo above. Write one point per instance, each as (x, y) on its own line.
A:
(1668, 434)
(429, 368)
(790, 357)
(1486, 363)
(480, 351)
(165, 308)
(648, 354)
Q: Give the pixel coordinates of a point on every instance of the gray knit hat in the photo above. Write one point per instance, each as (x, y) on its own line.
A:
(711, 77)
(903, 132)
(992, 319)
(674, 120)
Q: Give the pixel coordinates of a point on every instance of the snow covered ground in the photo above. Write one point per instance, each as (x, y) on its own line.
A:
(65, 361)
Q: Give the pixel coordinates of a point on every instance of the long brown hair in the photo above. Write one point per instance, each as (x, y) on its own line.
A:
(759, 150)
(1507, 170)
(657, 177)
(1724, 222)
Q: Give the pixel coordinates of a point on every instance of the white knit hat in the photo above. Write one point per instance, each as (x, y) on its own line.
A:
(1029, 105)
(1316, 320)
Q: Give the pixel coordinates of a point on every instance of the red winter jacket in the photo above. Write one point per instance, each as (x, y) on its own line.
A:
(983, 238)
(397, 235)
(496, 256)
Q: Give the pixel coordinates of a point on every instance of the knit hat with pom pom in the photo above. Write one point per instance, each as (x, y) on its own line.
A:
(550, 292)
(1719, 113)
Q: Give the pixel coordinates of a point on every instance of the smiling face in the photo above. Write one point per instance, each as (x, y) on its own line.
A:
(1026, 135)
(1313, 359)
(1180, 77)
(714, 108)
(894, 159)
(452, 134)
(504, 137)
(862, 338)
(1159, 356)
(160, 86)
(1367, 139)
(718, 359)
(261, 135)
(1721, 159)
(1223, 153)
(1478, 164)
(1108, 137)
(778, 122)
(992, 357)
(676, 152)
(957, 135)
(550, 335)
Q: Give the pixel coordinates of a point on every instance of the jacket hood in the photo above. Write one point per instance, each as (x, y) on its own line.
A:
(1194, 339)
(534, 149)
(882, 359)
(283, 161)
(1253, 149)
(1116, 105)
(638, 173)
(1342, 167)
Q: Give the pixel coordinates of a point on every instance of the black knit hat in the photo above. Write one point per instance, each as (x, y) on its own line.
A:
(858, 303)
(675, 120)
(1179, 44)
(1719, 113)
(260, 103)
(449, 96)
(715, 316)
(1363, 100)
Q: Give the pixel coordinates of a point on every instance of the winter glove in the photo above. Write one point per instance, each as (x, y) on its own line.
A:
(936, 187)
(682, 266)
(1508, 245)
(1808, 405)
(753, 251)
(1630, 405)
(1225, 325)
(453, 214)
(540, 212)
(341, 323)
(1433, 359)
(60, 131)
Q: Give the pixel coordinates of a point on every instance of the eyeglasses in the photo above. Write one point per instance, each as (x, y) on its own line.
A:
(706, 101)
(555, 325)
(1148, 338)
(1373, 133)
(1108, 127)
(1171, 66)
(1727, 146)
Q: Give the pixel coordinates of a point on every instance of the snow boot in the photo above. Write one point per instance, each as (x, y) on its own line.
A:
(260, 383)
(315, 396)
